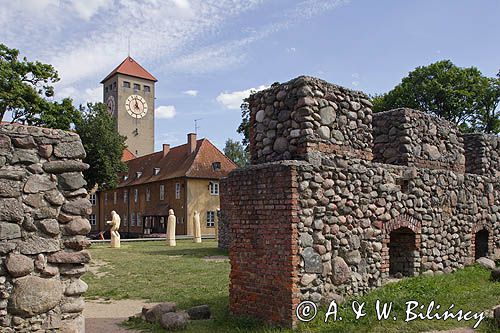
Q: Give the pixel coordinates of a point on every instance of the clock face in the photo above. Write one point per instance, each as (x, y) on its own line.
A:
(136, 106)
(110, 102)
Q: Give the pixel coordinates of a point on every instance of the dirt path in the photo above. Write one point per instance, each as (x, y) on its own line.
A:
(104, 316)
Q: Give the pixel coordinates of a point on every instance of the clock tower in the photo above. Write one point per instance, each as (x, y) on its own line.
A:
(129, 93)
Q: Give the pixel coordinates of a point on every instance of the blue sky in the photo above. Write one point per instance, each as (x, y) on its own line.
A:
(207, 54)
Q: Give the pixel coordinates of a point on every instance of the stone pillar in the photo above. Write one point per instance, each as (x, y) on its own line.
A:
(43, 223)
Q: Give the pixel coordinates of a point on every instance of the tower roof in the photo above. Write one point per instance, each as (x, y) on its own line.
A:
(131, 67)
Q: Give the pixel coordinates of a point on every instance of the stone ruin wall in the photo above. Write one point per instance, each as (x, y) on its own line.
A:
(352, 217)
(43, 223)
(408, 137)
(483, 153)
(307, 114)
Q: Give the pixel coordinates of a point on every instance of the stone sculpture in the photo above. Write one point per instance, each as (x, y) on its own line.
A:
(196, 227)
(115, 225)
(171, 221)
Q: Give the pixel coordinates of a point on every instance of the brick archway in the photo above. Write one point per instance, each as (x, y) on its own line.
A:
(406, 231)
(482, 233)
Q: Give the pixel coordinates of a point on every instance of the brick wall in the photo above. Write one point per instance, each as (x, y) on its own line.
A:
(261, 203)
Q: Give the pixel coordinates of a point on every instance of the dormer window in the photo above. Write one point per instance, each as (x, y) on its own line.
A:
(138, 174)
(156, 171)
(125, 177)
(216, 166)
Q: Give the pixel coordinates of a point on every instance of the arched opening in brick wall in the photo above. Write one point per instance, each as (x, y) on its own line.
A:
(403, 252)
(481, 243)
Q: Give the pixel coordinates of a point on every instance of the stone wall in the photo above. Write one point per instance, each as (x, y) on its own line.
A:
(308, 114)
(482, 153)
(331, 222)
(410, 137)
(43, 210)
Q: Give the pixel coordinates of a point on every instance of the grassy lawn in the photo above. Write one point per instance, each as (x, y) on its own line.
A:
(152, 271)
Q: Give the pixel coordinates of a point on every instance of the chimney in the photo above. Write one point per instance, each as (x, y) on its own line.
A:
(191, 142)
(166, 149)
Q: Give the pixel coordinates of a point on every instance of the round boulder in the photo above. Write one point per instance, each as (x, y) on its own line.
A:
(174, 321)
(33, 295)
(19, 265)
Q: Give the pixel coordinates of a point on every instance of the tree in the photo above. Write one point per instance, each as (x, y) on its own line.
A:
(244, 127)
(24, 86)
(103, 144)
(236, 152)
(461, 95)
(61, 115)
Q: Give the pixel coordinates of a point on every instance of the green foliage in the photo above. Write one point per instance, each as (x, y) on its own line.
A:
(61, 115)
(236, 152)
(461, 95)
(103, 144)
(244, 127)
(24, 85)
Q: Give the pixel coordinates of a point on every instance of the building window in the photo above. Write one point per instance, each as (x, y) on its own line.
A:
(162, 192)
(177, 190)
(210, 219)
(156, 171)
(139, 220)
(92, 219)
(147, 89)
(114, 197)
(138, 174)
(136, 195)
(105, 198)
(126, 84)
(125, 219)
(148, 194)
(216, 166)
(125, 177)
(93, 199)
(125, 196)
(105, 90)
(137, 87)
(214, 188)
(132, 220)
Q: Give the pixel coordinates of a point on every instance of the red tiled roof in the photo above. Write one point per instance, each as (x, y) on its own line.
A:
(131, 67)
(127, 155)
(179, 163)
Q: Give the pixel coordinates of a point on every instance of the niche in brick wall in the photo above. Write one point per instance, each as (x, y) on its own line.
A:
(403, 252)
(481, 243)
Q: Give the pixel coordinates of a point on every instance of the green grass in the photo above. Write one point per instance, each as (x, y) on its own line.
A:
(155, 272)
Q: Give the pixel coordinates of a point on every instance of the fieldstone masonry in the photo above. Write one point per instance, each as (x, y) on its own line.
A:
(319, 217)
(43, 210)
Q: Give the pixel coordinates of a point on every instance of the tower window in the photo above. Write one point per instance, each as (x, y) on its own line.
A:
(137, 86)
(126, 84)
(113, 87)
(106, 89)
(147, 89)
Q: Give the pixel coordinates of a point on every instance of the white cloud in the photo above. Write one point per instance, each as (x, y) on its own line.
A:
(86, 9)
(84, 40)
(233, 100)
(94, 94)
(165, 112)
(192, 93)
